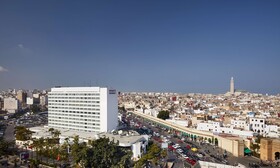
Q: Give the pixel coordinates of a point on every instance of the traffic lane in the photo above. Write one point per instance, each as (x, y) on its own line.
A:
(218, 159)
(213, 151)
(176, 154)
(191, 154)
(9, 133)
(178, 160)
(162, 132)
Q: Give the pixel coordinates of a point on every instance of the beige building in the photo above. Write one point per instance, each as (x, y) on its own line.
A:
(11, 105)
(21, 96)
(270, 149)
(232, 144)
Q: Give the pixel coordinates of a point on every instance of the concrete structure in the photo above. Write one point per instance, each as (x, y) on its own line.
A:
(257, 125)
(178, 121)
(21, 96)
(43, 100)
(210, 126)
(127, 139)
(29, 101)
(11, 105)
(231, 86)
(88, 109)
(270, 149)
(232, 144)
(272, 131)
(204, 164)
(217, 128)
(242, 124)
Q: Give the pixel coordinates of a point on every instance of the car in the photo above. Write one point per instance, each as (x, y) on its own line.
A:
(179, 150)
(185, 156)
(175, 146)
(199, 155)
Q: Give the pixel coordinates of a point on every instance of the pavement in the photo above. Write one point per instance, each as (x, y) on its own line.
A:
(9, 133)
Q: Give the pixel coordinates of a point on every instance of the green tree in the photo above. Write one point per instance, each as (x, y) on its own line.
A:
(22, 133)
(163, 115)
(35, 108)
(77, 149)
(5, 147)
(152, 154)
(101, 153)
(216, 141)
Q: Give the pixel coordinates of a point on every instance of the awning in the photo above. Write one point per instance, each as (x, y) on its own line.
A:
(247, 151)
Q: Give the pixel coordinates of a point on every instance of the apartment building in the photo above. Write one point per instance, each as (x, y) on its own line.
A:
(257, 125)
(11, 105)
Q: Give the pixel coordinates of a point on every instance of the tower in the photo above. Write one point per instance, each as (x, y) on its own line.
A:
(231, 85)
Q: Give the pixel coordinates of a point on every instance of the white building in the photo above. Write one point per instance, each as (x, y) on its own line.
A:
(241, 124)
(216, 127)
(88, 109)
(257, 125)
(178, 121)
(210, 126)
(272, 131)
(11, 105)
(29, 101)
(43, 100)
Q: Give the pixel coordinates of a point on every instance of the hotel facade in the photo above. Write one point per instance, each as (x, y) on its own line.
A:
(87, 109)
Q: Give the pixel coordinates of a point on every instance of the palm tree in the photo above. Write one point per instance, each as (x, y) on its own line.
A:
(47, 149)
(41, 147)
(35, 145)
(56, 133)
(64, 150)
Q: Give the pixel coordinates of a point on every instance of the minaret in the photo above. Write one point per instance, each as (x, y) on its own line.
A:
(231, 86)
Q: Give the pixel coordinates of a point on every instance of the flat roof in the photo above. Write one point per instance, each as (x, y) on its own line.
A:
(75, 89)
(43, 131)
(126, 139)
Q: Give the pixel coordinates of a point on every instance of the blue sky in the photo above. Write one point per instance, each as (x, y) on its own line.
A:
(175, 46)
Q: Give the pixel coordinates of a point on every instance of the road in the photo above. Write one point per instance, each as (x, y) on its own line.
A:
(213, 151)
(9, 133)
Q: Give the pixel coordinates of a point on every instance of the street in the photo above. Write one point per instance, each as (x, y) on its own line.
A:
(211, 153)
(9, 133)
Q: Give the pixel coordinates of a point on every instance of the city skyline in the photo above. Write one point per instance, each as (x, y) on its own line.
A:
(186, 47)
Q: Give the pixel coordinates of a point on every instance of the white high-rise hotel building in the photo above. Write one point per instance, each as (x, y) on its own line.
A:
(89, 109)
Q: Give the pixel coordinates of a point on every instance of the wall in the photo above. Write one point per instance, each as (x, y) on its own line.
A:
(203, 164)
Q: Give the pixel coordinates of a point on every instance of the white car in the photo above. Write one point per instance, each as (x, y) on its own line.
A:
(175, 146)
(199, 155)
(179, 150)
(185, 157)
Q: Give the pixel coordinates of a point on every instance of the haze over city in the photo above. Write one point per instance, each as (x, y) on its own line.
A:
(187, 46)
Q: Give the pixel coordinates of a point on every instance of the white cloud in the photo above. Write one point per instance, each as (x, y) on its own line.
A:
(20, 46)
(2, 69)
